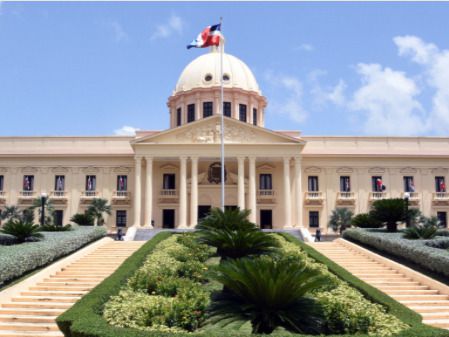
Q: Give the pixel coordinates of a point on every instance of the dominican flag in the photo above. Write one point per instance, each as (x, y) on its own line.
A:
(210, 36)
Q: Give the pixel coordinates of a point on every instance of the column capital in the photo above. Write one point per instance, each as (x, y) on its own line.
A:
(252, 158)
(194, 158)
(183, 158)
(138, 158)
(298, 159)
(286, 160)
(149, 158)
(240, 158)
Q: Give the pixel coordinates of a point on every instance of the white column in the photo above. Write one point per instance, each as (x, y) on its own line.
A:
(241, 182)
(197, 107)
(287, 194)
(183, 193)
(149, 192)
(298, 191)
(252, 189)
(194, 193)
(137, 194)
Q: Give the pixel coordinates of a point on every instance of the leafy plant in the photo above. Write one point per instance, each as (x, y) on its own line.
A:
(53, 228)
(97, 208)
(389, 211)
(365, 220)
(234, 235)
(82, 219)
(340, 219)
(11, 213)
(21, 230)
(426, 229)
(270, 293)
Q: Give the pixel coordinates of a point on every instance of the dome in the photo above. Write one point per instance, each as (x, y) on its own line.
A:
(204, 72)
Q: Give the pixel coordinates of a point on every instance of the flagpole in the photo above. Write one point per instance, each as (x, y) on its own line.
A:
(222, 120)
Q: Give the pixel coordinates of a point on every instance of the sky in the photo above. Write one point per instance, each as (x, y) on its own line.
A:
(105, 68)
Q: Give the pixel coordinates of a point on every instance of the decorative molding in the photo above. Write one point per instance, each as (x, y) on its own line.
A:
(60, 169)
(438, 170)
(210, 134)
(3, 169)
(376, 170)
(30, 169)
(168, 167)
(265, 167)
(312, 169)
(90, 169)
(121, 169)
(408, 170)
(345, 170)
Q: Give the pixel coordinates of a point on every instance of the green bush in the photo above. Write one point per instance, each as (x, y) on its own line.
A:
(83, 219)
(54, 228)
(389, 211)
(420, 232)
(420, 252)
(22, 231)
(364, 220)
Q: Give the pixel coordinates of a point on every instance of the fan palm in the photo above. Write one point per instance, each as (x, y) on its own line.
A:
(97, 208)
(230, 218)
(270, 293)
(21, 230)
(340, 219)
(11, 212)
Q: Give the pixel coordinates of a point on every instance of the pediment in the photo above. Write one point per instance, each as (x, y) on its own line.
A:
(312, 169)
(345, 170)
(376, 170)
(208, 131)
(408, 170)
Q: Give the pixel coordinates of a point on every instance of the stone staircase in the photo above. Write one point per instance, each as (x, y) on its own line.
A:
(420, 293)
(30, 308)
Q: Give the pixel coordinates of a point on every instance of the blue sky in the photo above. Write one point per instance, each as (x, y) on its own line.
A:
(325, 68)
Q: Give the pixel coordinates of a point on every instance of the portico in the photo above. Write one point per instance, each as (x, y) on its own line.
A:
(195, 164)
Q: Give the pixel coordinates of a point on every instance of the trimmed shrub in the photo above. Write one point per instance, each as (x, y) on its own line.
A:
(54, 228)
(83, 219)
(6, 239)
(365, 220)
(17, 260)
(421, 252)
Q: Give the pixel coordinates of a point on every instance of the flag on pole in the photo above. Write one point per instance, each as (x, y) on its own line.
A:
(210, 36)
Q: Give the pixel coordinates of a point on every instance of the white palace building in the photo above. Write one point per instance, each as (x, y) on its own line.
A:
(171, 178)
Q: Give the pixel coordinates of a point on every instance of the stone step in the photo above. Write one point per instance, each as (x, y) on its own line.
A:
(45, 299)
(412, 292)
(31, 334)
(419, 297)
(424, 302)
(78, 294)
(28, 305)
(404, 288)
(439, 323)
(14, 326)
(32, 312)
(69, 284)
(27, 319)
(426, 308)
(70, 279)
(51, 288)
(381, 283)
(435, 315)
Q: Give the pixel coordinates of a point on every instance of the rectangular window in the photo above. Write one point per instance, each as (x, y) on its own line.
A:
(169, 182)
(409, 185)
(242, 112)
(377, 184)
(442, 219)
(1, 183)
(440, 184)
(208, 109)
(254, 116)
(28, 183)
(313, 184)
(58, 217)
(265, 181)
(91, 183)
(178, 116)
(120, 218)
(227, 109)
(190, 113)
(59, 183)
(314, 219)
(345, 184)
(122, 183)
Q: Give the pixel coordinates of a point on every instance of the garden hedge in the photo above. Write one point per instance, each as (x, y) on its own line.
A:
(85, 318)
(19, 259)
(421, 252)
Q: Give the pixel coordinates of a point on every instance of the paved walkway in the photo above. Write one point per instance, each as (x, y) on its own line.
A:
(420, 293)
(31, 307)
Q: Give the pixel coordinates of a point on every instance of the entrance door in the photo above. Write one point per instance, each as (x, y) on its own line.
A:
(57, 217)
(203, 211)
(266, 219)
(168, 218)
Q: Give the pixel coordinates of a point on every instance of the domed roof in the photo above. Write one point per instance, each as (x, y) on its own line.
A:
(204, 72)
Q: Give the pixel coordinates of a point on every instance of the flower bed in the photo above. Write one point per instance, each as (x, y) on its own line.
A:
(16, 260)
(429, 254)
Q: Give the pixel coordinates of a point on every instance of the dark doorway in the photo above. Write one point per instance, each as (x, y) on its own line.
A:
(230, 207)
(58, 215)
(168, 218)
(266, 219)
(203, 211)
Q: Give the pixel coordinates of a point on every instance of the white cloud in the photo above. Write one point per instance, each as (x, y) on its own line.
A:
(126, 131)
(174, 25)
(436, 67)
(305, 47)
(292, 89)
(119, 32)
(387, 102)
(330, 94)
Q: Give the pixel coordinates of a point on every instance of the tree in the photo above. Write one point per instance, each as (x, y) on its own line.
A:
(21, 230)
(97, 208)
(11, 213)
(340, 219)
(82, 219)
(234, 235)
(365, 220)
(389, 212)
(270, 293)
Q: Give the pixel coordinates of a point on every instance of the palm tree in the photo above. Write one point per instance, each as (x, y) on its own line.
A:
(37, 204)
(97, 208)
(234, 235)
(340, 219)
(21, 230)
(389, 211)
(11, 212)
(270, 293)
